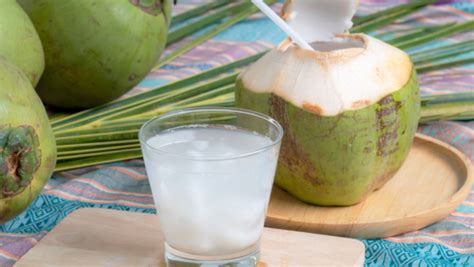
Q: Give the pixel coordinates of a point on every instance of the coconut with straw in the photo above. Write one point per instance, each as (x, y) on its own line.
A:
(349, 106)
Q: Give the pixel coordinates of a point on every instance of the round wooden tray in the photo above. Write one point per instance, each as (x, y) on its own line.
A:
(432, 182)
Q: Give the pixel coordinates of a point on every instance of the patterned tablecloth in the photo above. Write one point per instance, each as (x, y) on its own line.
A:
(124, 185)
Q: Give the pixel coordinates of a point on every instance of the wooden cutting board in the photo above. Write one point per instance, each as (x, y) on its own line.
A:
(100, 237)
(433, 181)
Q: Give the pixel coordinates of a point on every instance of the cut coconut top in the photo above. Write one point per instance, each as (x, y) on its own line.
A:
(319, 20)
(348, 73)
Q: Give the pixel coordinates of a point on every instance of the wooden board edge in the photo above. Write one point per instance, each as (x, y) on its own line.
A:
(357, 246)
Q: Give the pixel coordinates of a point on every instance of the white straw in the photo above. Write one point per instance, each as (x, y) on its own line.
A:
(281, 24)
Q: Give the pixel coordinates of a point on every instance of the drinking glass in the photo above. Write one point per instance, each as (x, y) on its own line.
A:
(211, 172)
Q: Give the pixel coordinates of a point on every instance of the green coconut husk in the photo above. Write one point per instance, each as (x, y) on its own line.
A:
(20, 44)
(107, 54)
(28, 150)
(371, 144)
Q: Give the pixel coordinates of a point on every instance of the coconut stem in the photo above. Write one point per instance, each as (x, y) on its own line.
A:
(416, 34)
(82, 152)
(90, 161)
(221, 95)
(205, 21)
(166, 96)
(444, 51)
(457, 106)
(92, 145)
(443, 32)
(89, 115)
(94, 154)
(448, 54)
(395, 9)
(444, 64)
(381, 21)
(97, 137)
(196, 93)
(209, 34)
(418, 30)
(198, 11)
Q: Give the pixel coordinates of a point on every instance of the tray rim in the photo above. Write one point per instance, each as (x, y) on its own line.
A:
(446, 207)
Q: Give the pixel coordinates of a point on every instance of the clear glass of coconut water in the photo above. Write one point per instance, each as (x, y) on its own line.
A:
(211, 172)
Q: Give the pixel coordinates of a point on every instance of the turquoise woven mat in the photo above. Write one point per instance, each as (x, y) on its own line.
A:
(124, 185)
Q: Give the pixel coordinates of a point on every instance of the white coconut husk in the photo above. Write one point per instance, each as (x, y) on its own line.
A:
(351, 72)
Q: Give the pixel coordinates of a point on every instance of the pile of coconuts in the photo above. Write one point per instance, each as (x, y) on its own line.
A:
(349, 109)
(77, 54)
(27, 145)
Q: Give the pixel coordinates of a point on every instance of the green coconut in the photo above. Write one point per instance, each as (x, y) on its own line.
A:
(19, 42)
(27, 145)
(96, 50)
(349, 109)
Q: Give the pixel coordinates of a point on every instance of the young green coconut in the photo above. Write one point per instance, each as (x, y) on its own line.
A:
(27, 145)
(96, 50)
(19, 42)
(349, 108)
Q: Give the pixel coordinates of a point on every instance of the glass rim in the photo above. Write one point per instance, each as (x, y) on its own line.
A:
(183, 111)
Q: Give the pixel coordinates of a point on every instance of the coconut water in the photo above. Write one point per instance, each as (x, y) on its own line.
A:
(211, 187)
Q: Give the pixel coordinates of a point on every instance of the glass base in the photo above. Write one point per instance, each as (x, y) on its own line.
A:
(249, 260)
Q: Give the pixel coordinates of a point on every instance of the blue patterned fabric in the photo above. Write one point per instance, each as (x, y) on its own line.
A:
(386, 253)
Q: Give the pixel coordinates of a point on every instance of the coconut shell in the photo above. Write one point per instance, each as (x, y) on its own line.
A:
(96, 50)
(19, 41)
(349, 111)
(27, 144)
(338, 160)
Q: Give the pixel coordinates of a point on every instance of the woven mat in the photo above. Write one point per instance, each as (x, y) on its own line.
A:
(124, 185)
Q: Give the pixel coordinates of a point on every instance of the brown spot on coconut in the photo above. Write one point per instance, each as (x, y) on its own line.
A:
(286, 10)
(360, 103)
(312, 108)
